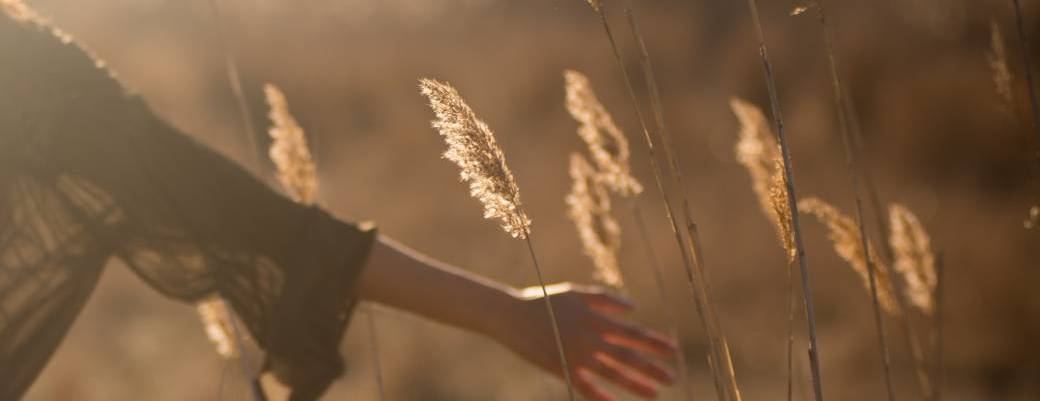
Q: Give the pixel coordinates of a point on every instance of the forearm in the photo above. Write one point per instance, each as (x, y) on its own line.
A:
(402, 278)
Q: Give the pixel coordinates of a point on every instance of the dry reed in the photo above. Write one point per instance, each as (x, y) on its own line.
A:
(607, 144)
(852, 161)
(472, 146)
(792, 201)
(289, 151)
(720, 362)
(844, 235)
(757, 151)
(914, 259)
(589, 208)
(217, 323)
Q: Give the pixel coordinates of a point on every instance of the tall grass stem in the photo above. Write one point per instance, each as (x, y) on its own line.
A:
(686, 254)
(665, 299)
(374, 349)
(552, 319)
(781, 133)
(1034, 103)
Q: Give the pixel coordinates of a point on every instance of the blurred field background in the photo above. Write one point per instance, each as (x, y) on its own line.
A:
(940, 138)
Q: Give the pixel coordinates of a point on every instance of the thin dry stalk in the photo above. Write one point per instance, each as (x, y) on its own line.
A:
(998, 64)
(673, 161)
(588, 206)
(472, 146)
(914, 259)
(235, 84)
(694, 279)
(792, 199)
(665, 299)
(1034, 103)
(246, 117)
(373, 337)
(940, 292)
(854, 174)
(906, 323)
(758, 152)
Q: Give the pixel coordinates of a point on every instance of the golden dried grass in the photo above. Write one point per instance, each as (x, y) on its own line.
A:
(781, 207)
(217, 323)
(607, 144)
(844, 234)
(589, 208)
(289, 150)
(759, 153)
(914, 259)
(472, 146)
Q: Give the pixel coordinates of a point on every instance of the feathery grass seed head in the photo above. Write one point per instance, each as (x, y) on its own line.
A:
(472, 146)
(289, 151)
(606, 142)
(781, 208)
(844, 234)
(217, 323)
(914, 259)
(589, 208)
(759, 153)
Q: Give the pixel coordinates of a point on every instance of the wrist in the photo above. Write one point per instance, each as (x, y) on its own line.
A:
(497, 315)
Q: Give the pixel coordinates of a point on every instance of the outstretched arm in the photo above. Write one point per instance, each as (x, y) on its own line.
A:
(596, 342)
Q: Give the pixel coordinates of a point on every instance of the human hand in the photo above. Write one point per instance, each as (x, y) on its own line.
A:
(595, 341)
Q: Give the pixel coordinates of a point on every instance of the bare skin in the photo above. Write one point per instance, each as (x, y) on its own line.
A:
(596, 342)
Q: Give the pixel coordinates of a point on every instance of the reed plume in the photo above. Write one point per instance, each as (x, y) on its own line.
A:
(289, 151)
(844, 235)
(1034, 218)
(607, 144)
(472, 146)
(589, 208)
(759, 153)
(217, 323)
(998, 64)
(914, 259)
(779, 203)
